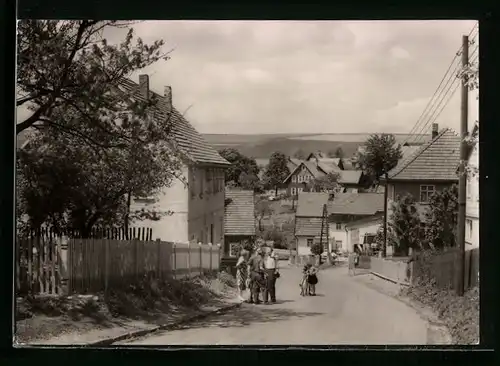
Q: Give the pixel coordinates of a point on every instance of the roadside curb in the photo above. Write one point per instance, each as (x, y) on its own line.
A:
(390, 279)
(169, 326)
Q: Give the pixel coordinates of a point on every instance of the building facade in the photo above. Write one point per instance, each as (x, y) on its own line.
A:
(191, 209)
(472, 203)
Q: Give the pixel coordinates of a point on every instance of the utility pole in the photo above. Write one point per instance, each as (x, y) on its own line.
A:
(386, 191)
(462, 183)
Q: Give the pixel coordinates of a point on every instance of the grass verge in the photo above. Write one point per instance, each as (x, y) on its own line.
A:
(147, 301)
(459, 313)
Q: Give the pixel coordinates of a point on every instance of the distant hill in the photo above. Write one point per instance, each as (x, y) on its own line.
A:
(262, 146)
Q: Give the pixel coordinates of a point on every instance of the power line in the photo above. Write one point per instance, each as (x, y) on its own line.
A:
(431, 119)
(430, 103)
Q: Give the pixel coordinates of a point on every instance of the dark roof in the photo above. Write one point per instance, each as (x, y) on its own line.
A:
(239, 215)
(308, 226)
(436, 160)
(187, 139)
(356, 204)
(366, 220)
(310, 204)
(350, 176)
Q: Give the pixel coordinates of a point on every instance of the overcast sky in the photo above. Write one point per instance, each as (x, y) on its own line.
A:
(309, 76)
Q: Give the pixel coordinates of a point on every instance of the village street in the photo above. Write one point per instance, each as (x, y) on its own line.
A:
(343, 312)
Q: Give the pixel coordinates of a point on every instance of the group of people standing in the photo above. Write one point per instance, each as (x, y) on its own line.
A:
(258, 272)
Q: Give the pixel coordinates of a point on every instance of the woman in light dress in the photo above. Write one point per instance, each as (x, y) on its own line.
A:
(242, 273)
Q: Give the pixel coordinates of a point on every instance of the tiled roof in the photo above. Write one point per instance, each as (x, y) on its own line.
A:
(350, 176)
(308, 226)
(328, 167)
(239, 215)
(436, 160)
(356, 204)
(187, 139)
(310, 204)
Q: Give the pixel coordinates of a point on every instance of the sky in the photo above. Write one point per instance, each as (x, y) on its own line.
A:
(253, 77)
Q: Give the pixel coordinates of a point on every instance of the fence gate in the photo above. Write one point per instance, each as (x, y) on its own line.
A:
(38, 261)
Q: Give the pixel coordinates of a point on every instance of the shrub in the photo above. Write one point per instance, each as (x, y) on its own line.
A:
(316, 249)
(442, 218)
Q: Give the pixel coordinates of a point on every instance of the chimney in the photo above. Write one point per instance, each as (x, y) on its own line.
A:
(144, 85)
(167, 93)
(435, 129)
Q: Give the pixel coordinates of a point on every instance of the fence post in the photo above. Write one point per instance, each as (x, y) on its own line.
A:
(136, 257)
(210, 245)
(158, 264)
(106, 268)
(189, 260)
(218, 255)
(201, 261)
(174, 255)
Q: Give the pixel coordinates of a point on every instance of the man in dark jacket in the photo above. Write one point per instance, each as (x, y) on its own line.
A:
(256, 276)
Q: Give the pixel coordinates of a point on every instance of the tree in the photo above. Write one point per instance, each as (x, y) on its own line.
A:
(404, 226)
(69, 77)
(316, 249)
(239, 164)
(300, 154)
(442, 218)
(73, 186)
(250, 182)
(277, 171)
(380, 156)
(262, 209)
(326, 183)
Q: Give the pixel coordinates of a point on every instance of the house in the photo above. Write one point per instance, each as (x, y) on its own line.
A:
(302, 177)
(472, 202)
(239, 219)
(192, 212)
(309, 221)
(347, 208)
(425, 169)
(362, 232)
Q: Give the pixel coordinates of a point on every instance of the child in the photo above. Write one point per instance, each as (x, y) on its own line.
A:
(312, 279)
(304, 286)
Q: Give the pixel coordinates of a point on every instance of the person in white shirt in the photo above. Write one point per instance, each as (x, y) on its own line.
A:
(271, 269)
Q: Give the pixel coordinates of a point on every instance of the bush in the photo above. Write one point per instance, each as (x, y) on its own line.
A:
(460, 314)
(316, 249)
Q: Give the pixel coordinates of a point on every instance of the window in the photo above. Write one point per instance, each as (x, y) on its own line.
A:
(294, 191)
(468, 229)
(303, 167)
(300, 178)
(338, 244)
(234, 249)
(309, 242)
(300, 189)
(338, 226)
(294, 179)
(426, 192)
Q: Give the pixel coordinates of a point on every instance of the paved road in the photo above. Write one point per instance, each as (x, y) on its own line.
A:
(344, 312)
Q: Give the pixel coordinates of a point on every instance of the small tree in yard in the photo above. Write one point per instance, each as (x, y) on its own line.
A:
(262, 209)
(442, 218)
(276, 171)
(405, 227)
(317, 249)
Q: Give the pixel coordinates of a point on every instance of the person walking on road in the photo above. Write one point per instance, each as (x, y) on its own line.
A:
(256, 276)
(271, 270)
(242, 273)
